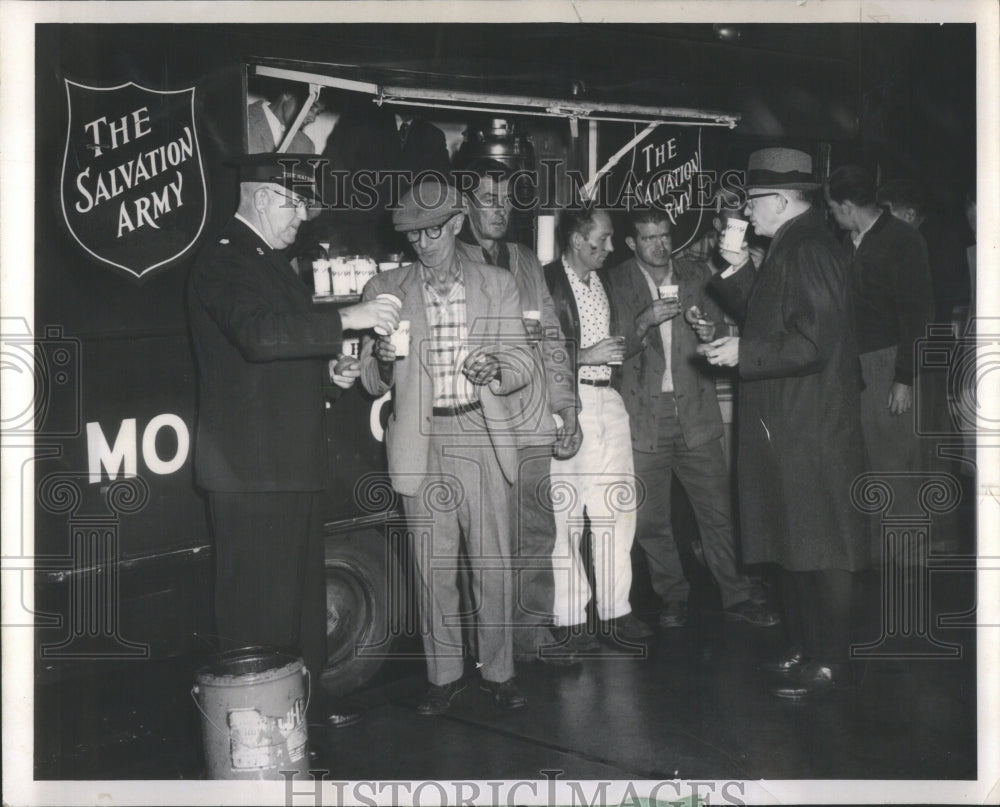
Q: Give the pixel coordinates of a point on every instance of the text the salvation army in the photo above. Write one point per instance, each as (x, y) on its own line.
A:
(104, 135)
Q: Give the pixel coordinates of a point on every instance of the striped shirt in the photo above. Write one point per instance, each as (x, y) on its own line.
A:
(446, 316)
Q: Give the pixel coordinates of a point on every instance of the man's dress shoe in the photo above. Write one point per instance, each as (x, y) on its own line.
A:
(809, 680)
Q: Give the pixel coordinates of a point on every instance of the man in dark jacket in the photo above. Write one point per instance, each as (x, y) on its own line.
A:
(262, 351)
(800, 445)
(599, 479)
(893, 304)
(675, 419)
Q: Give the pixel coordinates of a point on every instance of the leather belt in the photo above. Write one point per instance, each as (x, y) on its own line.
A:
(596, 382)
(454, 411)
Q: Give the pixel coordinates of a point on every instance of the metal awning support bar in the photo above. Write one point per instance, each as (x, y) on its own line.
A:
(297, 123)
(508, 104)
(588, 189)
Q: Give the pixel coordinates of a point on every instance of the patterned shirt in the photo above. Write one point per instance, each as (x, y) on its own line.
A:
(595, 318)
(446, 316)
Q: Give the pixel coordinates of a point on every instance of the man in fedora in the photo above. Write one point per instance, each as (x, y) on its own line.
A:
(262, 350)
(451, 441)
(800, 446)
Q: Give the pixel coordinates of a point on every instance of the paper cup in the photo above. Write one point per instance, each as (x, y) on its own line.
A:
(343, 277)
(733, 235)
(668, 291)
(321, 276)
(392, 298)
(351, 347)
(401, 339)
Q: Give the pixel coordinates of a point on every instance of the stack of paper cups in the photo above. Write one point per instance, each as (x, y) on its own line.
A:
(343, 277)
(546, 238)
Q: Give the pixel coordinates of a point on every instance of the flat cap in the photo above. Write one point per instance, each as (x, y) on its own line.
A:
(429, 203)
(295, 172)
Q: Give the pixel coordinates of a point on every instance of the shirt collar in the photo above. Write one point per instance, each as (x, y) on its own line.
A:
(252, 227)
(857, 238)
(572, 275)
(276, 126)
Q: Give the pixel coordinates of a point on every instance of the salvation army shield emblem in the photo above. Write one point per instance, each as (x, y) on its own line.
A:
(133, 186)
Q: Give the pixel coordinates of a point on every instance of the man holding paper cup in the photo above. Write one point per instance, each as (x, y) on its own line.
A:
(262, 349)
(451, 452)
(599, 479)
(550, 394)
(675, 420)
(799, 427)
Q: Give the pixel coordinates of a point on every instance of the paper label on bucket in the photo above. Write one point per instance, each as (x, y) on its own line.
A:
(257, 742)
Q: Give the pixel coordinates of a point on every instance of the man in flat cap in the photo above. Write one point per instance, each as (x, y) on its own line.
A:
(451, 439)
(800, 447)
(263, 351)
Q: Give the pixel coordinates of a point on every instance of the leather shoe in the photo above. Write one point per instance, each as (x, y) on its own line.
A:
(674, 614)
(505, 694)
(579, 642)
(809, 680)
(341, 720)
(760, 616)
(439, 698)
(552, 655)
(629, 627)
(788, 663)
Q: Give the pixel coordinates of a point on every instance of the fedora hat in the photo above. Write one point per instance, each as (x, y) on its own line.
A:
(781, 168)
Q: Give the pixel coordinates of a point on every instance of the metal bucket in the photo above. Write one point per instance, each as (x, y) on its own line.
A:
(253, 714)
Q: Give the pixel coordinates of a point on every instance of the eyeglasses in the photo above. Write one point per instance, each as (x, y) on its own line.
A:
(299, 204)
(752, 196)
(649, 239)
(432, 233)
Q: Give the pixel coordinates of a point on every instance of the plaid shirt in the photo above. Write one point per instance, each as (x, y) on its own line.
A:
(448, 348)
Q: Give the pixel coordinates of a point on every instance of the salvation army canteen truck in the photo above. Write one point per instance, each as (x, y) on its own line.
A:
(135, 131)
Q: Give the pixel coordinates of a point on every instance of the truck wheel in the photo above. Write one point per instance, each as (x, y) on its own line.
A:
(359, 567)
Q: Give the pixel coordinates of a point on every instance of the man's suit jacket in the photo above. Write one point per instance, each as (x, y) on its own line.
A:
(261, 139)
(551, 389)
(261, 347)
(698, 413)
(569, 316)
(493, 313)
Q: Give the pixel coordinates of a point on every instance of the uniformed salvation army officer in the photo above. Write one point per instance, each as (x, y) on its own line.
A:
(262, 349)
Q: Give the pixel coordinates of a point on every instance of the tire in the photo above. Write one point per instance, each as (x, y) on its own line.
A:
(359, 566)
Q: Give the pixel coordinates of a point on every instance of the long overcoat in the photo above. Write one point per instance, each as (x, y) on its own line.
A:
(800, 448)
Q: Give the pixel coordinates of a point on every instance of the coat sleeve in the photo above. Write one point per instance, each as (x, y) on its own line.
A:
(511, 347)
(558, 368)
(227, 285)
(371, 377)
(812, 318)
(911, 283)
(733, 291)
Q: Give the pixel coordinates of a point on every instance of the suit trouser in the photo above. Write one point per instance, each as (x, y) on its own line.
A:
(703, 472)
(533, 539)
(600, 480)
(891, 441)
(818, 613)
(463, 498)
(270, 580)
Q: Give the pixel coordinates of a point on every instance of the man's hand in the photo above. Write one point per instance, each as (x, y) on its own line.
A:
(724, 352)
(384, 350)
(735, 257)
(382, 313)
(659, 311)
(900, 398)
(610, 350)
(704, 329)
(344, 370)
(534, 329)
(569, 436)
(481, 368)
